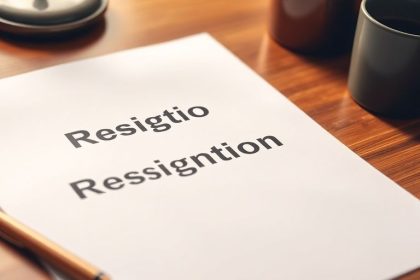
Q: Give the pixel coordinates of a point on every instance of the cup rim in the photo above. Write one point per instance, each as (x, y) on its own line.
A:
(383, 26)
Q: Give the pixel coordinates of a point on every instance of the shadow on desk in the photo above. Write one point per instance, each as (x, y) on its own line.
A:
(408, 126)
(26, 267)
(60, 42)
(339, 64)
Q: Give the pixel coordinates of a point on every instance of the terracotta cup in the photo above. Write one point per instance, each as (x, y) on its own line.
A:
(314, 25)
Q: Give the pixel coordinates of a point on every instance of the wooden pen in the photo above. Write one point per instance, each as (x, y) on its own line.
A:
(57, 257)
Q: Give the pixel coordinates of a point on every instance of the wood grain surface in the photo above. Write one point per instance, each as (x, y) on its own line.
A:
(316, 84)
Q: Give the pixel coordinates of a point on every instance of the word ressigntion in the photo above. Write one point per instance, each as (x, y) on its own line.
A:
(158, 123)
(185, 166)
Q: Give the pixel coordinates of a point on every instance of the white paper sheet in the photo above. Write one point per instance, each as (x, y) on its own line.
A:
(306, 209)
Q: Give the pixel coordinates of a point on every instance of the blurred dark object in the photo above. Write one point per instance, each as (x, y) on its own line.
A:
(323, 26)
(40, 5)
(46, 17)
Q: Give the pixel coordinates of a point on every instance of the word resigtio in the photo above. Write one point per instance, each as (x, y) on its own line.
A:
(158, 123)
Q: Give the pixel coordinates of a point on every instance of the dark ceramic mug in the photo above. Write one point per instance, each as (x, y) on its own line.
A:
(313, 25)
(385, 67)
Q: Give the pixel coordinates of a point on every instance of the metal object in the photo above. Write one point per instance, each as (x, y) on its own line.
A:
(35, 17)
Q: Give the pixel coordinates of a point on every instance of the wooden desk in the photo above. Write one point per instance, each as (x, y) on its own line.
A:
(316, 85)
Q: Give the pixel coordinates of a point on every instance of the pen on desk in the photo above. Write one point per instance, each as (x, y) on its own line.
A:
(48, 251)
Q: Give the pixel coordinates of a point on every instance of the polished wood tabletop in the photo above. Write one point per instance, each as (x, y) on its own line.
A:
(316, 84)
